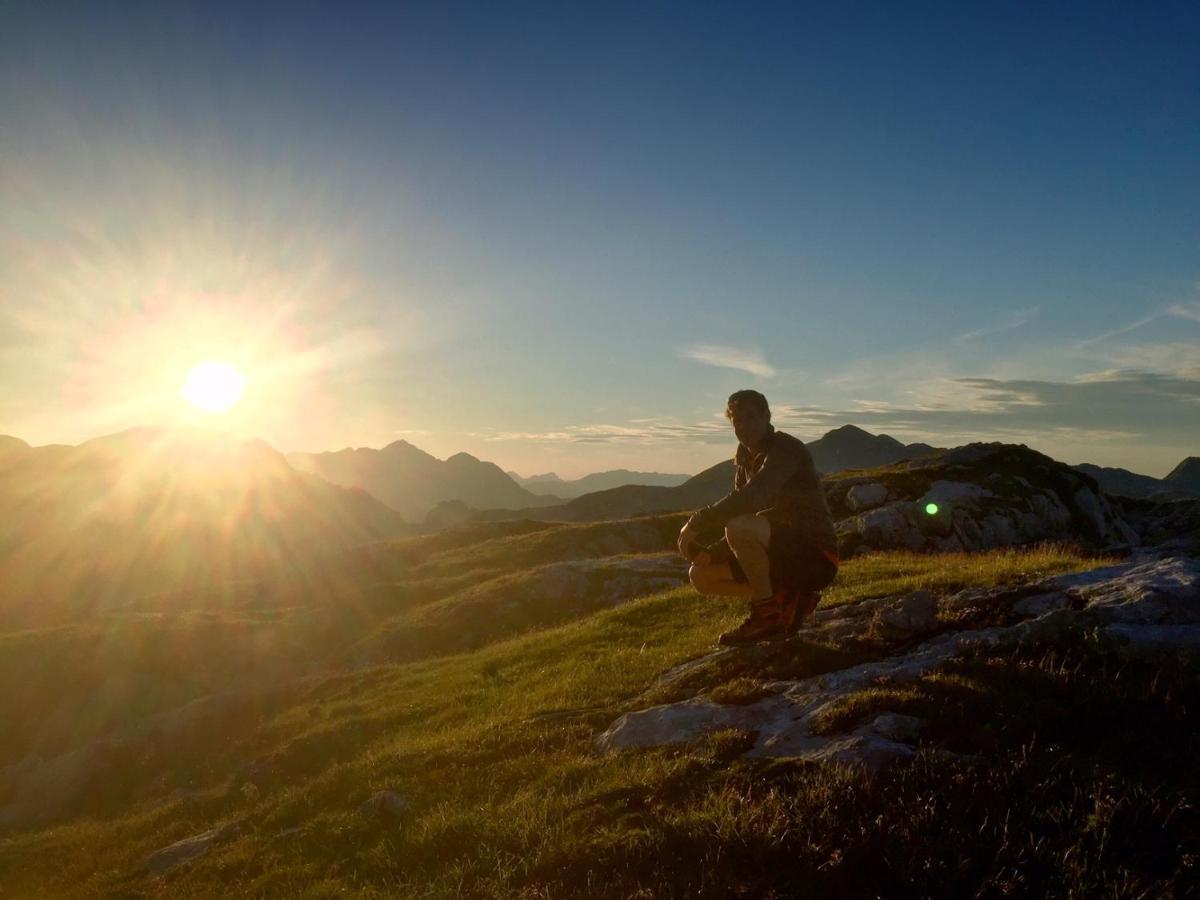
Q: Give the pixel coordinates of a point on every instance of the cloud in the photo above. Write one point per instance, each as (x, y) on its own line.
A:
(1190, 311)
(639, 432)
(1185, 311)
(745, 359)
(1013, 319)
(1180, 358)
(1137, 409)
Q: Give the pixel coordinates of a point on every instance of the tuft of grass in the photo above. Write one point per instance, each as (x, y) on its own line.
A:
(846, 712)
(740, 691)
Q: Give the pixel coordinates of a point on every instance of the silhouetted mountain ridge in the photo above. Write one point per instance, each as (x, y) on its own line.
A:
(595, 481)
(414, 482)
(1183, 481)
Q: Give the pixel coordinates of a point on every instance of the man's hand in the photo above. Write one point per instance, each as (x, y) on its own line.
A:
(686, 535)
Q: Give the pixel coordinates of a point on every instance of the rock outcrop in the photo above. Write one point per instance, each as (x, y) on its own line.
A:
(1145, 607)
(188, 849)
(974, 497)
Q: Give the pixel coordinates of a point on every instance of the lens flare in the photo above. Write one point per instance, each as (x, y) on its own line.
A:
(213, 386)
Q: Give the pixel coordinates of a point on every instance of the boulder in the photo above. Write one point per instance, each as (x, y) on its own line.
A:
(945, 493)
(891, 526)
(907, 616)
(866, 496)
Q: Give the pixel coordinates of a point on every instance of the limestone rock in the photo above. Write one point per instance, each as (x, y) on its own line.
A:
(945, 493)
(1047, 506)
(895, 726)
(1153, 641)
(866, 496)
(908, 616)
(871, 752)
(1162, 592)
(1147, 606)
(186, 850)
(894, 525)
(1039, 604)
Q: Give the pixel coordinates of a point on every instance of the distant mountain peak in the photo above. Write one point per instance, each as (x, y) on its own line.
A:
(1185, 476)
(1189, 467)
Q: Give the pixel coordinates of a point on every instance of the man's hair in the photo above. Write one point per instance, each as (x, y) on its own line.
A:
(747, 399)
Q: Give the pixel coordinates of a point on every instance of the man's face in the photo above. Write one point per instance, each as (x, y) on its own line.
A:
(749, 425)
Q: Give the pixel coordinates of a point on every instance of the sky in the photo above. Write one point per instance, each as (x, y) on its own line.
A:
(558, 236)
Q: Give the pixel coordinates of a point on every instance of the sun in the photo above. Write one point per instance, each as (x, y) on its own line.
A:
(213, 386)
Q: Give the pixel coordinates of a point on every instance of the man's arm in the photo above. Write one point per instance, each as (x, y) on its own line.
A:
(756, 494)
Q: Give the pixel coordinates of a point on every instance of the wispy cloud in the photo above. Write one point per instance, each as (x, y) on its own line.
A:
(1013, 319)
(633, 432)
(1117, 332)
(1190, 311)
(745, 359)
(1185, 311)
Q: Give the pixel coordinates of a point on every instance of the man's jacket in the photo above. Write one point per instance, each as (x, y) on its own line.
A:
(781, 482)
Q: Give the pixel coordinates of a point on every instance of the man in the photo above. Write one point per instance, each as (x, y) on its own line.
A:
(779, 546)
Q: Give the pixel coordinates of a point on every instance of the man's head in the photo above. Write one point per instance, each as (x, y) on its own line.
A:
(750, 415)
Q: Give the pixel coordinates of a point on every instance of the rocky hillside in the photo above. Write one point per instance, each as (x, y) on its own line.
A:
(1145, 609)
(973, 497)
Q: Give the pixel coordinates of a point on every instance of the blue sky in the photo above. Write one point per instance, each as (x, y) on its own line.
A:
(557, 237)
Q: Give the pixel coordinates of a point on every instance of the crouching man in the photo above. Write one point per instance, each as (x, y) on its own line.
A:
(779, 547)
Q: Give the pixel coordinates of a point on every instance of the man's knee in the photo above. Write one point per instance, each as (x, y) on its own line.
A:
(744, 529)
(697, 575)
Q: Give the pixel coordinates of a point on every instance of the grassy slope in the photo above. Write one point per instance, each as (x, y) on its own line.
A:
(493, 749)
(82, 677)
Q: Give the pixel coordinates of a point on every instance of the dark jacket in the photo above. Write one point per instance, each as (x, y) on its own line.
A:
(781, 482)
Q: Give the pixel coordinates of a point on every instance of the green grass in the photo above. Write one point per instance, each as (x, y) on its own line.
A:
(897, 572)
(493, 748)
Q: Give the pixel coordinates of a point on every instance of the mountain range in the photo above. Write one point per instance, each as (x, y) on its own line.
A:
(1180, 483)
(413, 482)
(551, 484)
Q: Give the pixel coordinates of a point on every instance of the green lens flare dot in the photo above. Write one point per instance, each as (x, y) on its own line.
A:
(931, 508)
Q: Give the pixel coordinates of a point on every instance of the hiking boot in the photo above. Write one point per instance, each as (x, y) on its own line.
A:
(765, 623)
(802, 604)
